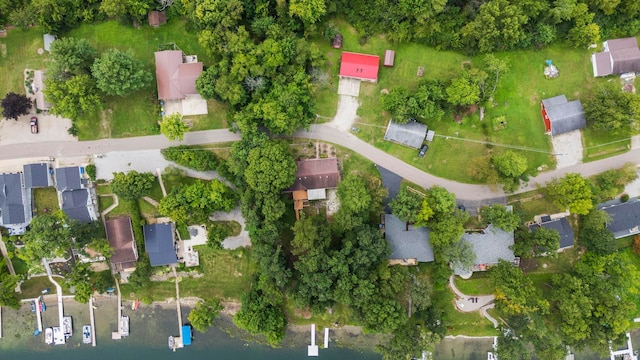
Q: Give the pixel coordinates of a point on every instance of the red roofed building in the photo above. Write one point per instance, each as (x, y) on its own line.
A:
(360, 66)
(176, 74)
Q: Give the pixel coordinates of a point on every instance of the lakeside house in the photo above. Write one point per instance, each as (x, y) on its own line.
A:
(409, 245)
(314, 177)
(562, 116)
(160, 244)
(120, 236)
(625, 218)
(73, 195)
(490, 246)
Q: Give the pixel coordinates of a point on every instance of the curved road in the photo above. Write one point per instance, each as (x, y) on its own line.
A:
(321, 132)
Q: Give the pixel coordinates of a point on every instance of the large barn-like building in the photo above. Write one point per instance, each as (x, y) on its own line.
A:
(562, 116)
(360, 66)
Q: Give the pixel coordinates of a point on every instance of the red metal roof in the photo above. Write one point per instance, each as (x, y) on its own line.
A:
(360, 66)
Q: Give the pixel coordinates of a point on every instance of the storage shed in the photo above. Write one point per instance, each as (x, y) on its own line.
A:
(389, 58)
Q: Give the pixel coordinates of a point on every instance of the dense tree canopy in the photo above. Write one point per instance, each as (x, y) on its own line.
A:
(74, 97)
(119, 73)
(203, 314)
(571, 192)
(271, 167)
(613, 110)
(501, 217)
(196, 202)
(406, 205)
(173, 127)
(48, 236)
(132, 185)
(515, 293)
(69, 57)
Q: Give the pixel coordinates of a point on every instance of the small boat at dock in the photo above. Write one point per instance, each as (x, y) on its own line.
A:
(172, 343)
(67, 326)
(48, 336)
(86, 334)
(124, 326)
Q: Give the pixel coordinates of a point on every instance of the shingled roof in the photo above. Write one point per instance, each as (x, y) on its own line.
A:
(489, 245)
(618, 56)
(120, 236)
(316, 174)
(625, 218)
(176, 79)
(564, 115)
(75, 204)
(561, 226)
(412, 244)
(411, 134)
(12, 210)
(36, 175)
(159, 243)
(68, 178)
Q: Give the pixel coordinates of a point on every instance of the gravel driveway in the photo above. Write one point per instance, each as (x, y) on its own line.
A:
(51, 128)
(346, 114)
(568, 147)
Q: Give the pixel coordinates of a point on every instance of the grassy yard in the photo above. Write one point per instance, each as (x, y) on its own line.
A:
(517, 97)
(104, 202)
(133, 115)
(478, 284)
(227, 275)
(532, 203)
(45, 200)
(33, 287)
(601, 144)
(459, 323)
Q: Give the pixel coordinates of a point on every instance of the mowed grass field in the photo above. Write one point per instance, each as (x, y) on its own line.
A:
(133, 115)
(517, 98)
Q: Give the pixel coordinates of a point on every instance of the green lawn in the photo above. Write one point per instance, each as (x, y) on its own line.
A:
(45, 200)
(104, 202)
(459, 323)
(601, 144)
(532, 203)
(33, 287)
(478, 284)
(137, 114)
(517, 97)
(227, 275)
(19, 50)
(147, 209)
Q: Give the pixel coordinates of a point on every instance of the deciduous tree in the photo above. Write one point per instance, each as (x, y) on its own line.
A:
(48, 236)
(15, 105)
(74, 97)
(572, 192)
(309, 11)
(69, 57)
(499, 216)
(613, 110)
(271, 167)
(406, 205)
(447, 229)
(460, 255)
(132, 185)
(173, 127)
(466, 88)
(120, 73)
(498, 25)
(510, 164)
(515, 293)
(202, 315)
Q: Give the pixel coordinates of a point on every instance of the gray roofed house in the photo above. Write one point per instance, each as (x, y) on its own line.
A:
(75, 204)
(36, 175)
(12, 209)
(561, 116)
(489, 245)
(618, 56)
(159, 242)
(625, 218)
(68, 178)
(561, 225)
(405, 245)
(411, 134)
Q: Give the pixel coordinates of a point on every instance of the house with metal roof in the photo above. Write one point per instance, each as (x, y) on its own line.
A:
(490, 246)
(559, 224)
(409, 245)
(411, 134)
(160, 244)
(618, 56)
(14, 215)
(359, 66)
(625, 218)
(176, 74)
(120, 236)
(562, 116)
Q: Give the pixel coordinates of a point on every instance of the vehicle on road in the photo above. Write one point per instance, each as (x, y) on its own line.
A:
(423, 151)
(34, 125)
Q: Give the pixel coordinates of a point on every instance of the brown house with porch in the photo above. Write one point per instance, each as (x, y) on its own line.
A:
(120, 237)
(313, 178)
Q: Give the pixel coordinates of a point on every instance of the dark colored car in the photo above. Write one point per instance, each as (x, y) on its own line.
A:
(423, 151)
(34, 125)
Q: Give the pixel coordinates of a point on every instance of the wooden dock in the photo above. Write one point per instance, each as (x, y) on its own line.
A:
(38, 314)
(117, 335)
(312, 350)
(93, 322)
(326, 338)
(58, 291)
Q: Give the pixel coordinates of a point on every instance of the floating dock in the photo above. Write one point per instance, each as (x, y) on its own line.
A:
(312, 350)
(38, 314)
(93, 322)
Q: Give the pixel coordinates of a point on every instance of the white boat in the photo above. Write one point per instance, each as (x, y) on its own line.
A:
(124, 326)
(172, 343)
(67, 326)
(58, 336)
(86, 334)
(48, 336)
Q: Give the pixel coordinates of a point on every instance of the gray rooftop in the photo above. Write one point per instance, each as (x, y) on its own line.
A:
(618, 56)
(625, 218)
(490, 245)
(562, 227)
(68, 178)
(11, 200)
(36, 175)
(158, 241)
(411, 134)
(564, 115)
(412, 244)
(75, 205)
(48, 39)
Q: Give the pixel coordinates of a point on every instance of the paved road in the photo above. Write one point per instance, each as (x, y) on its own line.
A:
(320, 132)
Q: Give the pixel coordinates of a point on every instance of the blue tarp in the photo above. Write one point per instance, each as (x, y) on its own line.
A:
(186, 335)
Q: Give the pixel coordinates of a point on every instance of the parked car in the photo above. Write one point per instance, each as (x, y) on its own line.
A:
(423, 151)
(34, 125)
